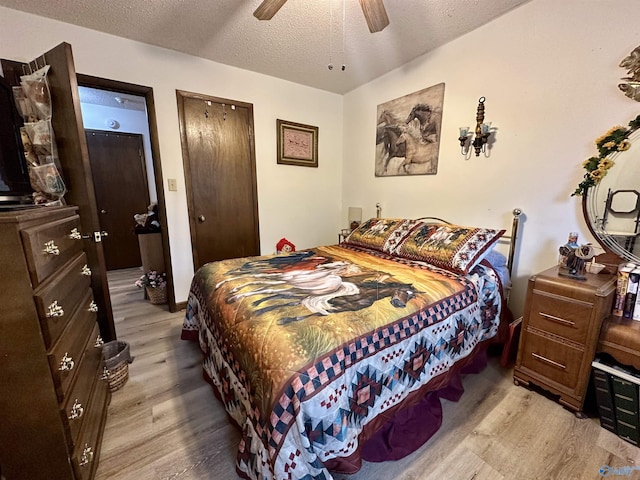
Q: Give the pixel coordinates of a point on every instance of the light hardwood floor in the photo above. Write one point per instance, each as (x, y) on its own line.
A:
(165, 423)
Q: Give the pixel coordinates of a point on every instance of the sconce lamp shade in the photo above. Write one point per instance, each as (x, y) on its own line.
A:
(355, 217)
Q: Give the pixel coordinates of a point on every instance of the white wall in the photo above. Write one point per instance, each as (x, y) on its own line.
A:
(549, 71)
(287, 195)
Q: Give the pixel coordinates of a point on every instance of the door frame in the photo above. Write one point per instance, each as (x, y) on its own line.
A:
(147, 93)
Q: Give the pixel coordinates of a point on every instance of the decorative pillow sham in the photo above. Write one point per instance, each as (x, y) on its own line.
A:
(382, 234)
(453, 247)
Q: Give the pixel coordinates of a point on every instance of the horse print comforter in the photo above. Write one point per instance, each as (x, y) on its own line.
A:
(307, 349)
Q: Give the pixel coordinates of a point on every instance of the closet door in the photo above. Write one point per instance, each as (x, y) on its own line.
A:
(74, 159)
(219, 162)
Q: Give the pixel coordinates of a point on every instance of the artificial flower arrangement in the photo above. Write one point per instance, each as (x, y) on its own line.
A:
(615, 140)
(152, 279)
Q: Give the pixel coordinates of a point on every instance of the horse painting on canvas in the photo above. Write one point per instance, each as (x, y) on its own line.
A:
(408, 133)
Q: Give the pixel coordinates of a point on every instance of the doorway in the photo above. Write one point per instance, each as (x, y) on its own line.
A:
(218, 152)
(126, 96)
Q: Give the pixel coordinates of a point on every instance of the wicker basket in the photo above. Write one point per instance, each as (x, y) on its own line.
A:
(116, 361)
(157, 296)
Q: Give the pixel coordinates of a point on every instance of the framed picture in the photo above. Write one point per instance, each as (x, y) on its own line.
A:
(408, 133)
(297, 144)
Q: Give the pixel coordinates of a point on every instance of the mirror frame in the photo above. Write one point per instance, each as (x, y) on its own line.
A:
(615, 253)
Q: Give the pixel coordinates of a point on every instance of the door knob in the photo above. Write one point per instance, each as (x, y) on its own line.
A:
(103, 211)
(201, 218)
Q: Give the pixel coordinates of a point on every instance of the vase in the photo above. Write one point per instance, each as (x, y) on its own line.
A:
(157, 295)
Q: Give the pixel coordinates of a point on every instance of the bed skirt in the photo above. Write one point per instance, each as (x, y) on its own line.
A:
(408, 427)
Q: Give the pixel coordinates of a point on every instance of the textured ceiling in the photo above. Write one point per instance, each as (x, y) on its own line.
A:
(297, 44)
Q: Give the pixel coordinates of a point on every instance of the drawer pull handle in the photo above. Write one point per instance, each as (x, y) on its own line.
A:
(51, 248)
(105, 374)
(93, 307)
(99, 342)
(86, 271)
(55, 310)
(87, 455)
(67, 363)
(75, 234)
(545, 359)
(76, 411)
(558, 319)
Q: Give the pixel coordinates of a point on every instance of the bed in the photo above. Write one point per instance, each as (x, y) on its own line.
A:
(340, 353)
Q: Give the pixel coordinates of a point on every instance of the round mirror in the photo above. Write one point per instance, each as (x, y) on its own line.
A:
(612, 206)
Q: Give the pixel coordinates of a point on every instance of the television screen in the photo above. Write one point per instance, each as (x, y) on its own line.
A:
(14, 175)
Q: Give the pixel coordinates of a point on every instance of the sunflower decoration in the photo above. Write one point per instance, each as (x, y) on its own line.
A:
(615, 140)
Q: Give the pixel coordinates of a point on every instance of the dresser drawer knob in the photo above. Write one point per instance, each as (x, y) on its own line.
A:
(51, 248)
(67, 363)
(76, 411)
(99, 342)
(55, 310)
(75, 234)
(93, 307)
(87, 456)
(86, 271)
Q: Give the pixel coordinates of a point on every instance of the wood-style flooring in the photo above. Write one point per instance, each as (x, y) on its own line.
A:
(165, 423)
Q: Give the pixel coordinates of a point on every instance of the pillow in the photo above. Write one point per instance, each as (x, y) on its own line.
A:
(382, 234)
(453, 247)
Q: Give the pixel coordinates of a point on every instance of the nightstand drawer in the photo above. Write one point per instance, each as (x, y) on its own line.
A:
(551, 359)
(569, 319)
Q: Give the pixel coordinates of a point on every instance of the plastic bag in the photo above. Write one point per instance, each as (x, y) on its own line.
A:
(48, 180)
(36, 89)
(42, 139)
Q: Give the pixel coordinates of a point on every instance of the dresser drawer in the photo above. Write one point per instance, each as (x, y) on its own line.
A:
(563, 317)
(66, 353)
(59, 298)
(85, 456)
(76, 406)
(49, 246)
(552, 359)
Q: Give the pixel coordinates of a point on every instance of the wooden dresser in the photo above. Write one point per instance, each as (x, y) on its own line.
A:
(53, 399)
(560, 329)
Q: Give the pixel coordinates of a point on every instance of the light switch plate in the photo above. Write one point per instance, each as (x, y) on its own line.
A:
(173, 184)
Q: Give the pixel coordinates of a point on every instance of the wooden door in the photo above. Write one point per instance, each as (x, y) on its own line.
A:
(219, 159)
(118, 167)
(76, 170)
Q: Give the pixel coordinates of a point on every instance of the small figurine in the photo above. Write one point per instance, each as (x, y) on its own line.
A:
(567, 248)
(576, 259)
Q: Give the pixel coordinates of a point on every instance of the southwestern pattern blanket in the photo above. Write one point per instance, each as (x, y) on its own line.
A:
(307, 349)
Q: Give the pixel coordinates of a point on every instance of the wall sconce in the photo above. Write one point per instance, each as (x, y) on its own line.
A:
(482, 133)
(355, 217)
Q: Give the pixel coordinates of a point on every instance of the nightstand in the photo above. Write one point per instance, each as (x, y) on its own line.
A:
(560, 329)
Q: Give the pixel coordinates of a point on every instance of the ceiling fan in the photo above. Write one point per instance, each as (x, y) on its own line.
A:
(373, 11)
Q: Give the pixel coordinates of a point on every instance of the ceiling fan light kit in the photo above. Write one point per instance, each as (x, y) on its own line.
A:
(373, 10)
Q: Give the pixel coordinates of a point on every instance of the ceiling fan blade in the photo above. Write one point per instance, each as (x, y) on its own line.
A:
(268, 8)
(375, 14)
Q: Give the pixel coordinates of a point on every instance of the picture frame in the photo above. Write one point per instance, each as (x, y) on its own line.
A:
(408, 133)
(297, 144)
